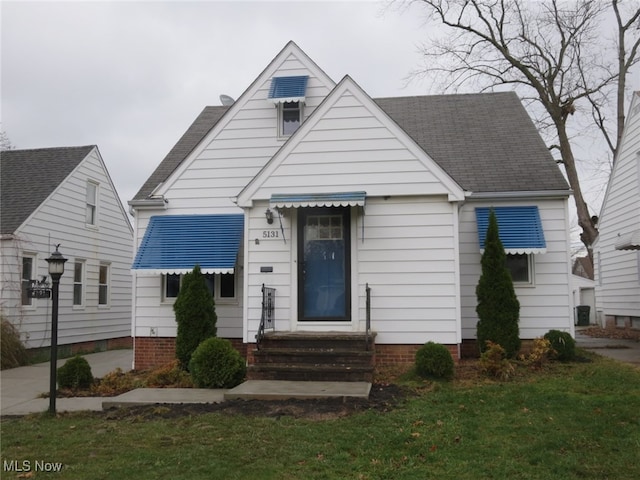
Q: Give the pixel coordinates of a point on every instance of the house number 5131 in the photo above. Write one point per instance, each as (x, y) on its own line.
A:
(270, 234)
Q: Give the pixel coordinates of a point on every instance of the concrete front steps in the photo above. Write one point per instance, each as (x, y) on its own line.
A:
(314, 356)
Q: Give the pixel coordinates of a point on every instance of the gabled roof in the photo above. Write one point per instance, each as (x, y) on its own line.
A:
(28, 177)
(486, 142)
(190, 140)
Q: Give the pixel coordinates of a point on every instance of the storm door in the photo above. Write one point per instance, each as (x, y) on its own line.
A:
(324, 264)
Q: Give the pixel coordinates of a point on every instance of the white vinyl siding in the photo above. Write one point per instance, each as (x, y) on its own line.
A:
(62, 219)
(617, 272)
(404, 251)
(215, 172)
(545, 303)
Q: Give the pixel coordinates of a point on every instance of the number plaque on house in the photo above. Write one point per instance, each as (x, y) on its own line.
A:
(39, 289)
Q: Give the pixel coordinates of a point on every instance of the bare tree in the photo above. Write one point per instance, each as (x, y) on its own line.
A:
(550, 52)
(627, 18)
(5, 143)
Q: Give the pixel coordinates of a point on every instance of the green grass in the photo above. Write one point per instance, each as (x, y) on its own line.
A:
(575, 421)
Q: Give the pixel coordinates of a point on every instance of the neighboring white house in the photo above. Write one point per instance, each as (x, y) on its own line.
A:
(317, 190)
(65, 196)
(617, 248)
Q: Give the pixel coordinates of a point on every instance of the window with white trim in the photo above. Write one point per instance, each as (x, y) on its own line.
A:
(221, 286)
(78, 283)
(91, 215)
(103, 284)
(520, 266)
(28, 265)
(289, 118)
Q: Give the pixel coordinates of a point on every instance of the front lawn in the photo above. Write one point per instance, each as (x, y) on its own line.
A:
(575, 420)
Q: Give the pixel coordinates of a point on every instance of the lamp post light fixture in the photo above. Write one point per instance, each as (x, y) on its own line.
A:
(56, 268)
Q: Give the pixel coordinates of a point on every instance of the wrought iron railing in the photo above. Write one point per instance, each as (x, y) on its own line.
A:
(368, 318)
(267, 318)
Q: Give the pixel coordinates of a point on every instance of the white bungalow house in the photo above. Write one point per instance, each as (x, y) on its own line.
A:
(322, 193)
(65, 196)
(617, 248)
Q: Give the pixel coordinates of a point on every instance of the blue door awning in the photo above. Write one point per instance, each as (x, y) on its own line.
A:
(288, 89)
(296, 200)
(177, 243)
(520, 228)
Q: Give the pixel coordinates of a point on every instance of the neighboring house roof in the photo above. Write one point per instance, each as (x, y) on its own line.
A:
(28, 177)
(190, 140)
(485, 142)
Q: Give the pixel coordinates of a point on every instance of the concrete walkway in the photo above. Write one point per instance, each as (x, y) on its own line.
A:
(627, 351)
(21, 387)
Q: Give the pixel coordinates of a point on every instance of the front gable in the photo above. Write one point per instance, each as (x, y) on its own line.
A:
(350, 144)
(246, 136)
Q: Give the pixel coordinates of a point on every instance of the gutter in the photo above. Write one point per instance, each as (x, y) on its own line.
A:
(518, 195)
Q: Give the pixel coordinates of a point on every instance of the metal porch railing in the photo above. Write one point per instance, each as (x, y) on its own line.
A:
(267, 319)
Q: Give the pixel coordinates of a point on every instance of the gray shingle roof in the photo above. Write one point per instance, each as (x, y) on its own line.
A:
(486, 142)
(28, 177)
(190, 140)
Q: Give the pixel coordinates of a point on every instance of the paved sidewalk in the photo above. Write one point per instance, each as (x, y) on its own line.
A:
(627, 351)
(20, 387)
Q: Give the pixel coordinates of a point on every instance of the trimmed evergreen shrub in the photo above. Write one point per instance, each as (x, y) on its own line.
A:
(434, 360)
(75, 373)
(195, 312)
(12, 353)
(563, 345)
(498, 308)
(216, 364)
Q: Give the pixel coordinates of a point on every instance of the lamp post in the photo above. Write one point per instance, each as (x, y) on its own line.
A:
(56, 269)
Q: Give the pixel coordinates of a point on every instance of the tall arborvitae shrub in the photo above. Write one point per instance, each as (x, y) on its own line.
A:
(195, 314)
(498, 308)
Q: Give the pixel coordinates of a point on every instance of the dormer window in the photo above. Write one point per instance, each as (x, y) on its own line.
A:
(288, 94)
(289, 118)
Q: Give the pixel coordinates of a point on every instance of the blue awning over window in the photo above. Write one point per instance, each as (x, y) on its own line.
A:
(296, 200)
(520, 228)
(288, 89)
(177, 243)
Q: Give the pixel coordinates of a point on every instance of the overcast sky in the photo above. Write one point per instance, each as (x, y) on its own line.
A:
(130, 77)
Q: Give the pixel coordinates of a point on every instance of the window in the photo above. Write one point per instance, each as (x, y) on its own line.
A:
(227, 286)
(103, 285)
(290, 118)
(220, 286)
(92, 203)
(27, 275)
(521, 267)
(78, 283)
(171, 285)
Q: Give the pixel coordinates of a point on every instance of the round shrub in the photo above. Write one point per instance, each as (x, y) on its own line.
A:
(75, 373)
(434, 360)
(216, 364)
(563, 345)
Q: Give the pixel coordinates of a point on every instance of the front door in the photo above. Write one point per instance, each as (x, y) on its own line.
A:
(324, 268)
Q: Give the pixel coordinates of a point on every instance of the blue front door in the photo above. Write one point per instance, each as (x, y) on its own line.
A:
(324, 273)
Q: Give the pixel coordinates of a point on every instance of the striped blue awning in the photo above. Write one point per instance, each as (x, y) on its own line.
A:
(296, 200)
(177, 243)
(520, 228)
(288, 89)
